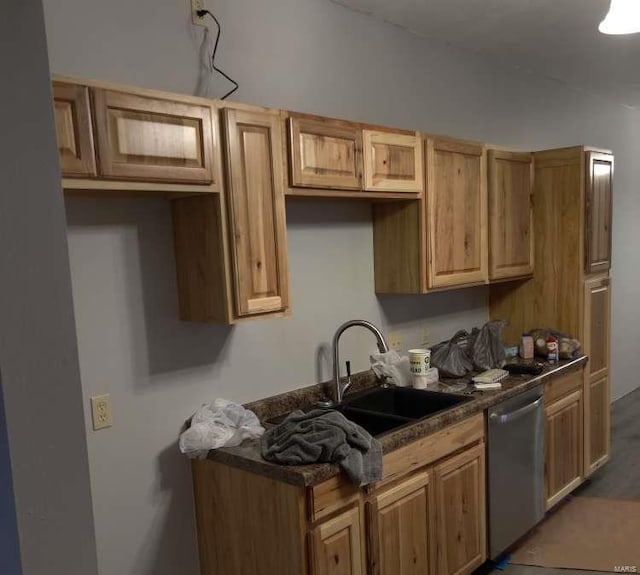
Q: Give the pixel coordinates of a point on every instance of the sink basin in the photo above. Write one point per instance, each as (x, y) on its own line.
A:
(374, 423)
(384, 409)
(405, 402)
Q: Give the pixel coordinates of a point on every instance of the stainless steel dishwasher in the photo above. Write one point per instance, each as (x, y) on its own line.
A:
(515, 468)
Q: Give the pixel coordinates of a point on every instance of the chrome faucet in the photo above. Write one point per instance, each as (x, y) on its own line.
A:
(340, 388)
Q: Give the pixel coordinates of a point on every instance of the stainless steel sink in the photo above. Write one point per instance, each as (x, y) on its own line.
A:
(385, 409)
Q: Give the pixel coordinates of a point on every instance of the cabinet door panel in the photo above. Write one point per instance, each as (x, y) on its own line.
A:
(142, 138)
(402, 529)
(257, 215)
(599, 426)
(461, 512)
(597, 325)
(392, 162)
(457, 213)
(73, 127)
(510, 214)
(337, 545)
(598, 217)
(325, 153)
(563, 447)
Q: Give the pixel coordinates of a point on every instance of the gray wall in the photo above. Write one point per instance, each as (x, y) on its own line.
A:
(307, 55)
(43, 420)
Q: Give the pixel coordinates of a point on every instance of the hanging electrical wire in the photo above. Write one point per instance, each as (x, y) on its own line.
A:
(202, 14)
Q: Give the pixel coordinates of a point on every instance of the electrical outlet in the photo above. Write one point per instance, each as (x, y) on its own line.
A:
(101, 411)
(395, 340)
(195, 6)
(425, 336)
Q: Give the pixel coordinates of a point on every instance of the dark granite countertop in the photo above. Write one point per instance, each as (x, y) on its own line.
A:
(247, 456)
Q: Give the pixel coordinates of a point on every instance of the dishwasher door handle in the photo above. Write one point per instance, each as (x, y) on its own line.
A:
(507, 417)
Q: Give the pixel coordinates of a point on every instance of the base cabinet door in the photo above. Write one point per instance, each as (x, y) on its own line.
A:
(598, 428)
(563, 447)
(597, 394)
(461, 512)
(402, 528)
(337, 545)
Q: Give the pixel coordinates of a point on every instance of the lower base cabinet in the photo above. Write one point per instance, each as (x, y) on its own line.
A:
(461, 512)
(402, 528)
(563, 441)
(426, 516)
(337, 545)
(597, 449)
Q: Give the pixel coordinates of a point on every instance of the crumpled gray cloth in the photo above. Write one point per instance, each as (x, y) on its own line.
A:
(324, 436)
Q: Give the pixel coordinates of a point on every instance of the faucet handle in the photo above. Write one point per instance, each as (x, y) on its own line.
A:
(348, 369)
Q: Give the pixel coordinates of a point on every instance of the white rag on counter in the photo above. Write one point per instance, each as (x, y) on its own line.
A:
(221, 423)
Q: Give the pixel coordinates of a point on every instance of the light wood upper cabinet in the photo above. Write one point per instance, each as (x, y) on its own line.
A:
(324, 153)
(456, 213)
(598, 212)
(402, 528)
(231, 256)
(73, 127)
(597, 392)
(392, 162)
(337, 545)
(152, 139)
(256, 211)
(563, 446)
(510, 214)
(461, 512)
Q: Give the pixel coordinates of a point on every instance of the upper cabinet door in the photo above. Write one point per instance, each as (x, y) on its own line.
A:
(73, 127)
(510, 214)
(325, 153)
(598, 216)
(255, 198)
(141, 138)
(456, 213)
(392, 162)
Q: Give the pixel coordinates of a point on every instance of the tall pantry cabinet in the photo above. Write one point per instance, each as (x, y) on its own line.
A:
(570, 289)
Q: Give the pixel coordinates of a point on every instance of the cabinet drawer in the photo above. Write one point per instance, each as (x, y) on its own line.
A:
(73, 128)
(141, 138)
(331, 495)
(561, 386)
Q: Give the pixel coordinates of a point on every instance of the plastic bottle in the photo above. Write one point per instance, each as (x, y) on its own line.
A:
(526, 346)
(552, 348)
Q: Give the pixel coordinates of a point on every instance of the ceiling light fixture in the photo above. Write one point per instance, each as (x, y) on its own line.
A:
(623, 18)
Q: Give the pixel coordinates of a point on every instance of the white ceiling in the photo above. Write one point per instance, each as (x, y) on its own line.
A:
(555, 38)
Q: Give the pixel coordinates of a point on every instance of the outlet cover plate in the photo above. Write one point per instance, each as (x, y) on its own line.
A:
(101, 411)
(395, 341)
(195, 6)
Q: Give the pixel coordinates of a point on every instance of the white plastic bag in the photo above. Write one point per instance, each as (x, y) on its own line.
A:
(219, 424)
(393, 366)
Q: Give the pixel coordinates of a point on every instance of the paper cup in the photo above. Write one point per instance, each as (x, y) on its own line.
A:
(419, 361)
